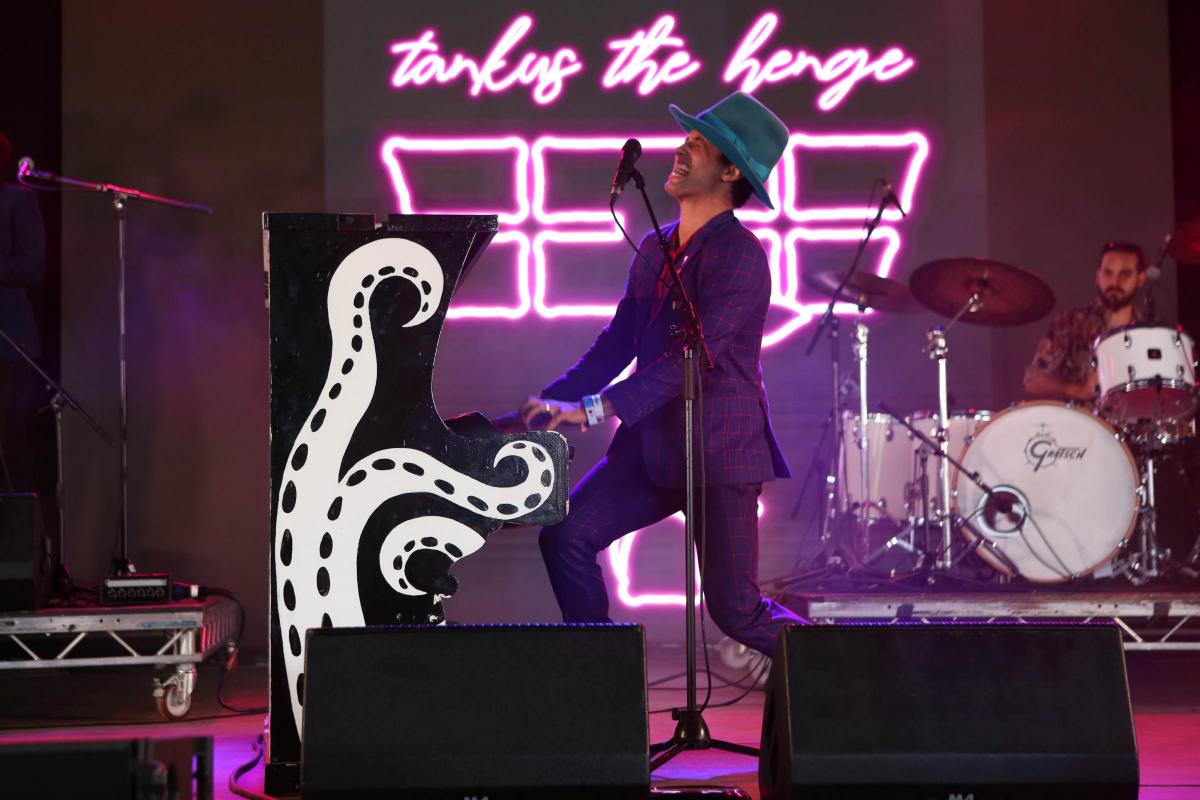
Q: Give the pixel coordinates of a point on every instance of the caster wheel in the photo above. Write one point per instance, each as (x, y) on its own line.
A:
(173, 697)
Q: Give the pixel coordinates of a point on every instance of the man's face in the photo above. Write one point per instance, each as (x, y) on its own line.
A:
(699, 169)
(1118, 279)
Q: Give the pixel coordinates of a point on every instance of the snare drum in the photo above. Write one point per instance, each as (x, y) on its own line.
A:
(889, 465)
(1146, 373)
(1072, 485)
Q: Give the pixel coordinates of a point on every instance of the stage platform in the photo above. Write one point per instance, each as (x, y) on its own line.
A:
(181, 635)
(1149, 620)
(107, 703)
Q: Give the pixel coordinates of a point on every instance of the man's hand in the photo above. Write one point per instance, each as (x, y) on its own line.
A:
(1089, 390)
(559, 412)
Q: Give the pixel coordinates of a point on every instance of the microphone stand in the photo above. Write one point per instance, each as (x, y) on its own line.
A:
(120, 199)
(691, 732)
(59, 399)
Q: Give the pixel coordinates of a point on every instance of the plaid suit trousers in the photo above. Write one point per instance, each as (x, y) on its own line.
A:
(617, 497)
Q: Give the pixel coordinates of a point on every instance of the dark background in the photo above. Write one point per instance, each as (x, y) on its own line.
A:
(1058, 126)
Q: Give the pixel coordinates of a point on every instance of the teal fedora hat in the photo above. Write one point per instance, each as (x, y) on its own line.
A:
(746, 131)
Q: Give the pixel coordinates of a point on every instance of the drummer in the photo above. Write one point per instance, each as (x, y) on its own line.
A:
(1062, 366)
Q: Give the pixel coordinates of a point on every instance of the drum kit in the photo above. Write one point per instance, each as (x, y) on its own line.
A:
(1045, 492)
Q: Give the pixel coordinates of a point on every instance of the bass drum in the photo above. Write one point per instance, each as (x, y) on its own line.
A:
(1066, 492)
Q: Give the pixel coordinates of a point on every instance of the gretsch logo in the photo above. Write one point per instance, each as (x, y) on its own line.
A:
(1042, 450)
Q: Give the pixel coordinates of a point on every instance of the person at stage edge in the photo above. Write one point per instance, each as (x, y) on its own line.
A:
(1062, 366)
(22, 266)
(728, 154)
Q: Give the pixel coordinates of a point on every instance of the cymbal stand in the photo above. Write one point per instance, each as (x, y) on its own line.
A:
(864, 462)
(831, 498)
(833, 493)
(937, 348)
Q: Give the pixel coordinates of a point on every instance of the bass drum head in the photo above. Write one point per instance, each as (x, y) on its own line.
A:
(1074, 487)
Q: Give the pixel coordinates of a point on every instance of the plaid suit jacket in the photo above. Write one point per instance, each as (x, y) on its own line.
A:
(725, 272)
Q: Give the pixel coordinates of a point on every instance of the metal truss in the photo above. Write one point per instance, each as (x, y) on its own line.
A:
(1147, 620)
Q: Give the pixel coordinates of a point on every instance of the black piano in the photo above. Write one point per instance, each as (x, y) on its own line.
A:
(374, 496)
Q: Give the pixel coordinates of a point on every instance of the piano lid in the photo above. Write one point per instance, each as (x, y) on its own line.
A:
(483, 226)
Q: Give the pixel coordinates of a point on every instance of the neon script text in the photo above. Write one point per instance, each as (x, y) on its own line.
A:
(646, 59)
(421, 62)
(842, 71)
(634, 58)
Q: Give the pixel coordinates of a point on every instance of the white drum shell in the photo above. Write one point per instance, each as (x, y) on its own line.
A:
(1079, 480)
(889, 457)
(1146, 373)
(960, 432)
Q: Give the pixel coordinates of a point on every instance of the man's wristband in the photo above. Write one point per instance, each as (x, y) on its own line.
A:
(593, 407)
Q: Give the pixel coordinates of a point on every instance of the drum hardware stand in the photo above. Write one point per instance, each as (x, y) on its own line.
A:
(59, 399)
(834, 494)
(1151, 561)
(120, 199)
(860, 355)
(906, 538)
(829, 556)
(1003, 499)
(692, 732)
(938, 350)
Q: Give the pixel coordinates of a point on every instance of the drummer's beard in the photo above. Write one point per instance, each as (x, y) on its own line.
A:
(1114, 299)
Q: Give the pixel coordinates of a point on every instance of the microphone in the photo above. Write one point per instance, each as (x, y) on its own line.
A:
(630, 153)
(889, 194)
(1004, 507)
(24, 166)
(1153, 273)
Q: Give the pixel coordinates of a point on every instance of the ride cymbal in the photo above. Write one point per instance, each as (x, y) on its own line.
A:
(865, 290)
(1004, 294)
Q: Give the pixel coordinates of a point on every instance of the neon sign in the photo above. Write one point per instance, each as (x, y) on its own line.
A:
(634, 57)
(534, 227)
(421, 62)
(844, 69)
(649, 59)
(620, 562)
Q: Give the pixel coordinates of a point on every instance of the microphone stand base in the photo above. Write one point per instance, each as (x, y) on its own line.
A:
(691, 733)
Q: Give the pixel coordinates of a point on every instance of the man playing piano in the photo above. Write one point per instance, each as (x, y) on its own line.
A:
(728, 154)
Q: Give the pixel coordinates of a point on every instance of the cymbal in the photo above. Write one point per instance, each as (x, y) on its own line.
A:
(1185, 242)
(1007, 295)
(866, 290)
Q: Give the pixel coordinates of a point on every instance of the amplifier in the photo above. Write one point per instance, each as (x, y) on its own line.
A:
(140, 588)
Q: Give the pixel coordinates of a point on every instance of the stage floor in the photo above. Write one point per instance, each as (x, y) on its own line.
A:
(61, 705)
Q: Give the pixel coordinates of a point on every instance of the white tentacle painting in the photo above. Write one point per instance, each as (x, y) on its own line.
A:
(321, 513)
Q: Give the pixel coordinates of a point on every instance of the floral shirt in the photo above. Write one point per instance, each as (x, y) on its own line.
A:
(1065, 352)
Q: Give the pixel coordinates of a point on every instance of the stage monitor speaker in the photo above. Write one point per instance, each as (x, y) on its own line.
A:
(115, 769)
(945, 712)
(23, 573)
(496, 711)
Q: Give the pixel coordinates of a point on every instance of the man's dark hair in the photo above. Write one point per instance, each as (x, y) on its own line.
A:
(1125, 247)
(5, 149)
(742, 188)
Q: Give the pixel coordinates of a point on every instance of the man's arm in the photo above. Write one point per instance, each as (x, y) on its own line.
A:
(731, 287)
(613, 349)
(1040, 384)
(1041, 376)
(26, 264)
